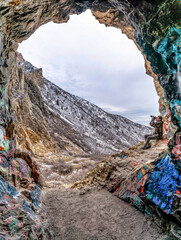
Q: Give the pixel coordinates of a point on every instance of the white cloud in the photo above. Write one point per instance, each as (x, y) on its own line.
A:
(111, 108)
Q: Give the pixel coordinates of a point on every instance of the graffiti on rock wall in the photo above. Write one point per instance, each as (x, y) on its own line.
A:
(122, 154)
(18, 209)
(175, 106)
(176, 151)
(158, 182)
(168, 127)
(133, 187)
(163, 183)
(170, 50)
(165, 58)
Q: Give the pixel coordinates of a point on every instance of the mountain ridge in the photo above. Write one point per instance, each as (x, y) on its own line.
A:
(93, 129)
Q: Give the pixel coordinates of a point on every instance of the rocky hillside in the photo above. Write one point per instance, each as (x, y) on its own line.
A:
(66, 134)
(68, 123)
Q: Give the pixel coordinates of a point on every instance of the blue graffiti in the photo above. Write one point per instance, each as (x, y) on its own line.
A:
(36, 197)
(163, 183)
(26, 207)
(170, 51)
(175, 107)
(6, 188)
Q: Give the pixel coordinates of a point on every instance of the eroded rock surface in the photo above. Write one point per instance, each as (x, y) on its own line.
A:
(20, 196)
(155, 27)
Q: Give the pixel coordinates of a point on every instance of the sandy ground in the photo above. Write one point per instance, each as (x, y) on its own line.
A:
(96, 215)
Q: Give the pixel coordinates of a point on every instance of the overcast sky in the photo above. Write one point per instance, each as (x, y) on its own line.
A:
(94, 62)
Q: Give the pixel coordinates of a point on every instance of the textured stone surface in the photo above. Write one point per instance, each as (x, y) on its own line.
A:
(20, 196)
(154, 26)
(120, 166)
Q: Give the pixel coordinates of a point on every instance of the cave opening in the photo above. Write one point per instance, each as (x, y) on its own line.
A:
(153, 187)
(95, 62)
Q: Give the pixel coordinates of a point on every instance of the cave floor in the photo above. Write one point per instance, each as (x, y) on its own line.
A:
(95, 215)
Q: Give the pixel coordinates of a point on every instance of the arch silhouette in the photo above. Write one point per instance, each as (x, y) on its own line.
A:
(155, 28)
(156, 35)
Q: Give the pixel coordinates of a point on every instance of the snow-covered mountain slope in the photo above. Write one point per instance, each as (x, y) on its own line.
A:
(100, 130)
(71, 120)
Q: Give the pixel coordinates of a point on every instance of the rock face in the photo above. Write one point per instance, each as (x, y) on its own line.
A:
(155, 27)
(57, 121)
(67, 135)
(20, 196)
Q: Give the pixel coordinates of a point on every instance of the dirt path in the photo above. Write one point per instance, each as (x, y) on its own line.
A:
(96, 215)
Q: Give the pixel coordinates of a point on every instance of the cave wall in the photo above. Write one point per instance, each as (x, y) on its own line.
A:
(153, 25)
(155, 29)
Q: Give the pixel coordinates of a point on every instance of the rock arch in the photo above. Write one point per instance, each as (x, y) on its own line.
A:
(155, 28)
